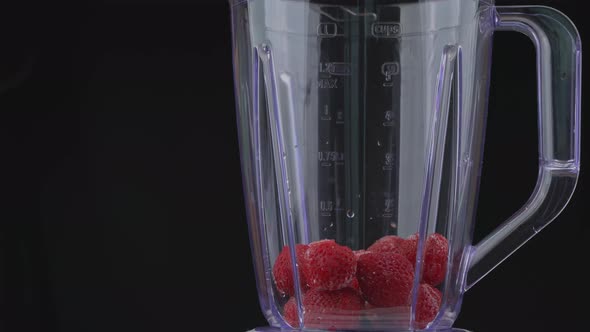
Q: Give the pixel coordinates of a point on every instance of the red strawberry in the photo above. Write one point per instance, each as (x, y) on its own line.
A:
(428, 305)
(398, 245)
(411, 248)
(359, 253)
(388, 243)
(385, 279)
(329, 266)
(332, 309)
(290, 312)
(435, 259)
(355, 282)
(414, 237)
(283, 269)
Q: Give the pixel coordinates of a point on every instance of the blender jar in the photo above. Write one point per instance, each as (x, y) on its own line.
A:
(361, 127)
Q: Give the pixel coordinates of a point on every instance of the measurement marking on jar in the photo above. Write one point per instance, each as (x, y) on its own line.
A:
(326, 208)
(335, 68)
(340, 117)
(338, 206)
(327, 30)
(388, 210)
(389, 69)
(388, 119)
(328, 83)
(388, 162)
(328, 158)
(386, 29)
(326, 114)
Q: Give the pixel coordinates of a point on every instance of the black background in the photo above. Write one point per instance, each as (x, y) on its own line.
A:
(122, 206)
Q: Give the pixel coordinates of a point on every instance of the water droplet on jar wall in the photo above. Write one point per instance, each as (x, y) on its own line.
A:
(350, 213)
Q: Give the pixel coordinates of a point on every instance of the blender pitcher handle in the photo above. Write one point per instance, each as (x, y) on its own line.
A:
(559, 55)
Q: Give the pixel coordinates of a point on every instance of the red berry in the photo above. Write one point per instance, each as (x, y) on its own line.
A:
(414, 237)
(355, 282)
(332, 309)
(385, 279)
(388, 243)
(398, 245)
(283, 269)
(411, 248)
(342, 299)
(359, 253)
(290, 312)
(329, 266)
(428, 305)
(435, 259)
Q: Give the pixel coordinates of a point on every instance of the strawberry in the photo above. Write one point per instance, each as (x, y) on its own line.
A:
(355, 284)
(428, 305)
(326, 309)
(411, 248)
(283, 270)
(388, 243)
(398, 245)
(329, 266)
(290, 312)
(359, 253)
(385, 279)
(435, 259)
(332, 309)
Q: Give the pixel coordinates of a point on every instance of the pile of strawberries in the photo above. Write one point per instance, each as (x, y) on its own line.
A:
(338, 283)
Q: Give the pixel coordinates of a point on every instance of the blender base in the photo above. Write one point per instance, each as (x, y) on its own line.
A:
(278, 329)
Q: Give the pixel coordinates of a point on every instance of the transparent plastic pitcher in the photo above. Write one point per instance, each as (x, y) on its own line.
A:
(361, 127)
